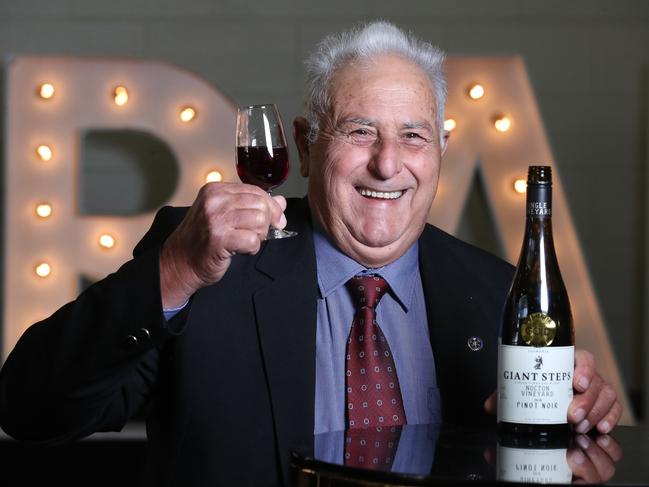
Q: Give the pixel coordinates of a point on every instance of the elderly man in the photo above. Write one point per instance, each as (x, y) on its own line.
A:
(253, 352)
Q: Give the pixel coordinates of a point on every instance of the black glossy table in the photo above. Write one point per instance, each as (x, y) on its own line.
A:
(453, 455)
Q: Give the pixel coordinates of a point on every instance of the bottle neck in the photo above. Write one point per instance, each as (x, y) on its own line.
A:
(538, 226)
(539, 201)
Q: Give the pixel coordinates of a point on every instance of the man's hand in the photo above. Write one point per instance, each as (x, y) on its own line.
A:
(225, 219)
(594, 461)
(594, 403)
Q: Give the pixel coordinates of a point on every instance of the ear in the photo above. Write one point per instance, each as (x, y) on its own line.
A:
(446, 135)
(300, 135)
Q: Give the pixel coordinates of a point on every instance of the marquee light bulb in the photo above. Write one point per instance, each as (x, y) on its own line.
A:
(450, 124)
(106, 241)
(43, 210)
(502, 123)
(476, 91)
(120, 95)
(42, 269)
(214, 177)
(46, 91)
(187, 114)
(520, 186)
(44, 152)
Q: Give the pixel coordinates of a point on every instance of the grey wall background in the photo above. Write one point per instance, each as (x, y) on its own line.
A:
(587, 60)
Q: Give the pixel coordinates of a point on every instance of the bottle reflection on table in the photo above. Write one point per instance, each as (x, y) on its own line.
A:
(557, 460)
(451, 452)
(523, 459)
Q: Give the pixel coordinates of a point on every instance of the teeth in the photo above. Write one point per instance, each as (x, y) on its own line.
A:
(386, 195)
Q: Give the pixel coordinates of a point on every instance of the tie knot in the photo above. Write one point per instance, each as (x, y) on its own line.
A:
(367, 290)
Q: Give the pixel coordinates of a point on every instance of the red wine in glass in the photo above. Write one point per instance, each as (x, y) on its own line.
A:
(266, 167)
(262, 154)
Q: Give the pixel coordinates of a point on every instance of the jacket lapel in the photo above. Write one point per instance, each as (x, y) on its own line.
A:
(285, 311)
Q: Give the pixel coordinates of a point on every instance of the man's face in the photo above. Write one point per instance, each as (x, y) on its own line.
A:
(374, 168)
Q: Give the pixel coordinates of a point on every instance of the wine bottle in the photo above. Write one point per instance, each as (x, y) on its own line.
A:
(536, 351)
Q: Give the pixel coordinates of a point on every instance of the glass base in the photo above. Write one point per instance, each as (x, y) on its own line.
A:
(276, 233)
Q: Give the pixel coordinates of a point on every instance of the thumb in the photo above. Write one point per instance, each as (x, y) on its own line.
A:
(280, 222)
(491, 404)
(280, 200)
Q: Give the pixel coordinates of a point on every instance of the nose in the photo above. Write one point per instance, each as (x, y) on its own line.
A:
(386, 159)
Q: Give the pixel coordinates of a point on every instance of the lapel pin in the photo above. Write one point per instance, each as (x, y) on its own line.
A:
(475, 344)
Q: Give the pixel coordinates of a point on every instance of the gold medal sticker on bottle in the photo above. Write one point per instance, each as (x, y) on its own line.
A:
(538, 330)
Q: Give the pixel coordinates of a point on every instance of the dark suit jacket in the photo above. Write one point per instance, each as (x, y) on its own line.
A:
(229, 383)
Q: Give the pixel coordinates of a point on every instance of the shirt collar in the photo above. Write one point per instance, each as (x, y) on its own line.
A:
(335, 268)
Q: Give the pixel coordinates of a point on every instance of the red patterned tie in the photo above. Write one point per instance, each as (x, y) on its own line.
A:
(372, 448)
(373, 392)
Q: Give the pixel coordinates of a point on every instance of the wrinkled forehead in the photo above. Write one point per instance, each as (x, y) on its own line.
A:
(390, 80)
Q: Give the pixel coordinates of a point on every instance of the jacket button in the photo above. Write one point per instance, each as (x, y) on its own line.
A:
(131, 341)
(143, 334)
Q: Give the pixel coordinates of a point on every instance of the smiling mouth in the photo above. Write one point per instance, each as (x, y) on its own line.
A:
(382, 195)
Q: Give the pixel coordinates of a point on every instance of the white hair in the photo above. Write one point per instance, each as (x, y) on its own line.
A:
(365, 42)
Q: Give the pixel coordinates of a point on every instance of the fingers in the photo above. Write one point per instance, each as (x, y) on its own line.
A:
(233, 188)
(581, 406)
(229, 196)
(595, 403)
(233, 206)
(610, 446)
(255, 220)
(584, 369)
(237, 222)
(592, 463)
(606, 424)
(606, 398)
(242, 241)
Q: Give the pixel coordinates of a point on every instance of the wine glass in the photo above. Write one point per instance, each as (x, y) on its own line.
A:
(262, 153)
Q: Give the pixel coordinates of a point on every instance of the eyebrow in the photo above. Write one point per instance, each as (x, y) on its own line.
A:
(418, 125)
(372, 123)
(360, 121)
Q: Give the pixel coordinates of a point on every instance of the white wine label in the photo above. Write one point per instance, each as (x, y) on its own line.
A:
(534, 384)
(536, 466)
